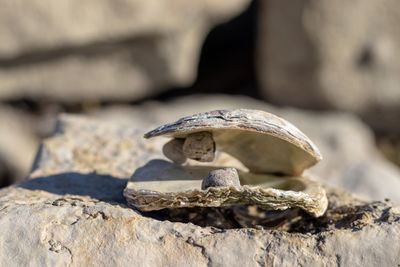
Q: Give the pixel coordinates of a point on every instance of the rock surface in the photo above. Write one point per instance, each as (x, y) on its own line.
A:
(350, 158)
(335, 54)
(126, 49)
(72, 213)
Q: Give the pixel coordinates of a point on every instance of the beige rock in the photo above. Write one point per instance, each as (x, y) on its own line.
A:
(199, 146)
(18, 144)
(173, 150)
(70, 215)
(70, 23)
(91, 50)
(340, 54)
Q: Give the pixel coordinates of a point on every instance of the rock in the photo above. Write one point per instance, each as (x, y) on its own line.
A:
(98, 50)
(390, 147)
(199, 146)
(71, 212)
(173, 150)
(324, 54)
(18, 145)
(350, 158)
(221, 177)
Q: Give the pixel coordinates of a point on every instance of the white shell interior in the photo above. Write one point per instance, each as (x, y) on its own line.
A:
(261, 153)
(166, 177)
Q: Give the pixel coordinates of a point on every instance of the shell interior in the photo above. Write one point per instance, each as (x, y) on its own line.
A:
(263, 142)
(162, 184)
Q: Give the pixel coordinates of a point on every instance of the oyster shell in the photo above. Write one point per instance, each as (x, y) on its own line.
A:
(272, 154)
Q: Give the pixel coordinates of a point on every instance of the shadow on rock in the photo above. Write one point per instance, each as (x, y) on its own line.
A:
(102, 187)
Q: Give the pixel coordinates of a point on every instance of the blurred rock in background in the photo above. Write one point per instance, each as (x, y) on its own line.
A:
(333, 54)
(18, 144)
(70, 55)
(390, 147)
(103, 50)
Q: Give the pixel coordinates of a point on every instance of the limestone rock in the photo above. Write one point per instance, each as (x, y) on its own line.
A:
(351, 160)
(127, 49)
(72, 213)
(332, 54)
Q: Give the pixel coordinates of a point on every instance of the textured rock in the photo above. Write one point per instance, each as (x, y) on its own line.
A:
(350, 158)
(125, 49)
(340, 54)
(72, 213)
(199, 146)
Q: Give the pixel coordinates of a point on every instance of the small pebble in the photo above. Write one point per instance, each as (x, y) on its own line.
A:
(174, 150)
(199, 146)
(221, 177)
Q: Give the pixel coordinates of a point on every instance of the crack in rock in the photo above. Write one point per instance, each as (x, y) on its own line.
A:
(58, 247)
(94, 212)
(193, 243)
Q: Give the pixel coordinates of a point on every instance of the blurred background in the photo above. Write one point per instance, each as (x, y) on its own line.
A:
(330, 67)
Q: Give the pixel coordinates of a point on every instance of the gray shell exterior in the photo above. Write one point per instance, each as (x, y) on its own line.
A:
(273, 133)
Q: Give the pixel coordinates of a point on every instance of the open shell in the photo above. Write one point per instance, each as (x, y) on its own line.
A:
(263, 142)
(272, 154)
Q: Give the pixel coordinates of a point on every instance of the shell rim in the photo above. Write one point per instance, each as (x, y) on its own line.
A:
(314, 197)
